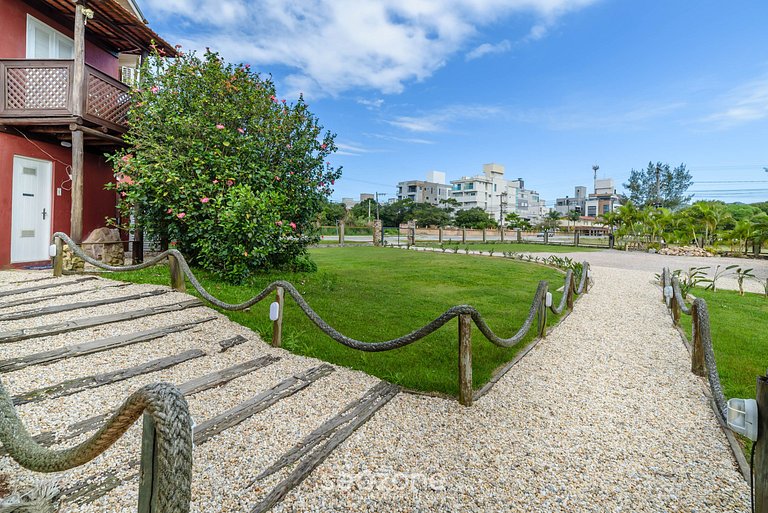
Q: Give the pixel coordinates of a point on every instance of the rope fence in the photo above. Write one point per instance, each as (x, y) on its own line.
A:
(166, 462)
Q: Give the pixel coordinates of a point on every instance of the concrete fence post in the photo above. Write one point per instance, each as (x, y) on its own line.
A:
(377, 231)
(341, 233)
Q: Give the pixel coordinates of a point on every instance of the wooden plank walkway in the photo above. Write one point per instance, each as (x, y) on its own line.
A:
(85, 490)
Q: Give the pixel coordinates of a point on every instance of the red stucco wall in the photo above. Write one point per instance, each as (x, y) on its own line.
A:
(98, 204)
(13, 37)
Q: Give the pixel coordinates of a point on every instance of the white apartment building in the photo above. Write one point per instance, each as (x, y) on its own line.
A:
(496, 195)
(431, 190)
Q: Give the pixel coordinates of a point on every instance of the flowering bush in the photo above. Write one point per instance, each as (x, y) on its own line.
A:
(221, 166)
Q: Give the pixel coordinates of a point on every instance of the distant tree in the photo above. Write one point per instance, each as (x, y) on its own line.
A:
(672, 186)
(474, 218)
(740, 211)
(551, 220)
(397, 212)
(763, 205)
(364, 211)
(514, 221)
(450, 205)
(332, 213)
(573, 216)
(426, 214)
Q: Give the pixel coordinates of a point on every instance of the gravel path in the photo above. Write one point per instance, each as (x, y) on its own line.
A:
(603, 415)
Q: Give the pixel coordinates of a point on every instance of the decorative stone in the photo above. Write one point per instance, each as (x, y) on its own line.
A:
(685, 251)
(70, 261)
(104, 244)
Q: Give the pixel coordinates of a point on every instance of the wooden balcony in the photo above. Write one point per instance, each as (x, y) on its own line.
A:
(39, 93)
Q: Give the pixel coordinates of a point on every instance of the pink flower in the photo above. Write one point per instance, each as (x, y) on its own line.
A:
(205, 200)
(279, 223)
(277, 178)
(241, 130)
(272, 97)
(283, 100)
(126, 158)
(155, 89)
(220, 126)
(215, 181)
(169, 211)
(230, 182)
(323, 146)
(245, 253)
(247, 66)
(181, 215)
(333, 182)
(293, 226)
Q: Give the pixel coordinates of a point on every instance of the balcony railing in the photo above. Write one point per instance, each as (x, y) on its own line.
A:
(43, 89)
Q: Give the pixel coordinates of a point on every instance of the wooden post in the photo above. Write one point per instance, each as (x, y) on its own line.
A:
(501, 234)
(341, 233)
(463, 235)
(58, 260)
(78, 88)
(137, 251)
(147, 474)
(698, 365)
(465, 359)
(546, 237)
(675, 308)
(277, 325)
(177, 277)
(760, 471)
(542, 316)
(484, 235)
(519, 235)
(440, 234)
(571, 293)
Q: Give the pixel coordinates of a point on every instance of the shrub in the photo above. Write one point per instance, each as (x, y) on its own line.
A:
(217, 163)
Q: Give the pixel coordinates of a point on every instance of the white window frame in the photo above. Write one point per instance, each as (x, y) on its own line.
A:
(56, 38)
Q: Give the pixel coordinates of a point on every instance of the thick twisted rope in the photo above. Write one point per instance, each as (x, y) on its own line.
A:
(702, 318)
(173, 442)
(386, 345)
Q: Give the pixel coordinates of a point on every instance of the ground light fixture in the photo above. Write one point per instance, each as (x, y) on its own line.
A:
(52, 250)
(742, 417)
(274, 311)
(668, 292)
(548, 300)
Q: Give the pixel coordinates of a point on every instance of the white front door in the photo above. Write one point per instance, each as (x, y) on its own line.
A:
(31, 214)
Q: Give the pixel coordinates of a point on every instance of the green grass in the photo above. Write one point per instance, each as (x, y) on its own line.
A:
(501, 247)
(374, 294)
(738, 325)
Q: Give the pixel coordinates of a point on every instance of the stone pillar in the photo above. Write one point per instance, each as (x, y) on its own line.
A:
(519, 235)
(377, 232)
(341, 233)
(411, 233)
(501, 234)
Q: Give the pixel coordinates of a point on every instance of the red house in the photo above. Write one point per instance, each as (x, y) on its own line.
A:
(64, 65)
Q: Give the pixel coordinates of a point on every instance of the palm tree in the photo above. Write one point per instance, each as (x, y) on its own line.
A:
(574, 216)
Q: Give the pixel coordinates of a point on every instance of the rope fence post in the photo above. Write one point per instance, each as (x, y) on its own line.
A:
(761, 447)
(698, 366)
(571, 292)
(177, 276)
(675, 307)
(147, 472)
(465, 360)
(542, 316)
(58, 260)
(277, 324)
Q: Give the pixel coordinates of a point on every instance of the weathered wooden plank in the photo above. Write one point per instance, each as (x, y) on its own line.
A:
(81, 324)
(189, 388)
(95, 346)
(232, 342)
(306, 445)
(47, 310)
(15, 292)
(74, 386)
(218, 378)
(33, 280)
(234, 416)
(383, 392)
(40, 299)
(90, 489)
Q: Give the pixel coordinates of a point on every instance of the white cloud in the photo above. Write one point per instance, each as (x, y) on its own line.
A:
(371, 104)
(442, 120)
(743, 104)
(332, 46)
(487, 48)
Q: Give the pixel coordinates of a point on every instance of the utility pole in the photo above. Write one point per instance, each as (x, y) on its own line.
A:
(502, 208)
(377, 203)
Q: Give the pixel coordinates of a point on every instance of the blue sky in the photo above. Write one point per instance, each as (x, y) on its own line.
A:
(546, 87)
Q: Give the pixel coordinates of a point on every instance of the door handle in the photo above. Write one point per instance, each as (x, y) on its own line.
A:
(44, 214)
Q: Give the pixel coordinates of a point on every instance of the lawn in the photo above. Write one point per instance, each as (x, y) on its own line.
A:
(374, 294)
(502, 247)
(738, 325)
